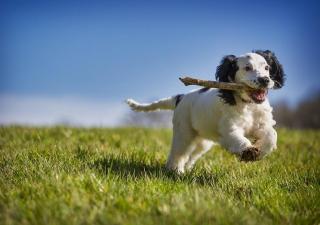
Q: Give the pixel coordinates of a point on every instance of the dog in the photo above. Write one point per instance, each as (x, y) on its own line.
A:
(240, 121)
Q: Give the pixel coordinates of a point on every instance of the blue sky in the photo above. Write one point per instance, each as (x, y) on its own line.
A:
(98, 53)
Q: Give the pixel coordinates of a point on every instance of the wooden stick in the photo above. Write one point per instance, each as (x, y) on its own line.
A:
(213, 84)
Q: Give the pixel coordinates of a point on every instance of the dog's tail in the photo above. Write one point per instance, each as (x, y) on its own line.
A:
(165, 104)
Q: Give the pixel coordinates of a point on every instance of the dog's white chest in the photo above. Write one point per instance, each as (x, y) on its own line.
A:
(253, 116)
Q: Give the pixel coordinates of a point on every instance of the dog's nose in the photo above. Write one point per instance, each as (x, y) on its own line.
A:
(264, 81)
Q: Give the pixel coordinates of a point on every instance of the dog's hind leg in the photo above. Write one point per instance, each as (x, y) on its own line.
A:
(182, 146)
(202, 147)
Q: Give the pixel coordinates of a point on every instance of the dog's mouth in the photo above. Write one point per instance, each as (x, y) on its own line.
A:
(258, 95)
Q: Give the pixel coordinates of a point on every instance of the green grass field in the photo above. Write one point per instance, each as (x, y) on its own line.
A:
(116, 176)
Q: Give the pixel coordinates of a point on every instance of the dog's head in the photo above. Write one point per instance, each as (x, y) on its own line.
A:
(259, 70)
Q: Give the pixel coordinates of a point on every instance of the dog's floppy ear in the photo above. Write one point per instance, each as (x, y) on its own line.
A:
(226, 72)
(227, 69)
(276, 69)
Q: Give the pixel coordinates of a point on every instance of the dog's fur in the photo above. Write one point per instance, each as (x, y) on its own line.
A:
(240, 121)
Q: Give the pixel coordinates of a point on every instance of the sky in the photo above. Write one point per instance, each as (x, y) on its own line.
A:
(78, 61)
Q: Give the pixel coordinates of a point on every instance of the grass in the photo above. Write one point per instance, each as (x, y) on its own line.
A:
(116, 176)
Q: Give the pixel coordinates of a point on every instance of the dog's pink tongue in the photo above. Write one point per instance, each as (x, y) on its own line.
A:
(260, 94)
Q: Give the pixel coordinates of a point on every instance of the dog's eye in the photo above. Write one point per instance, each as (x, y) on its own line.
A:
(267, 67)
(248, 68)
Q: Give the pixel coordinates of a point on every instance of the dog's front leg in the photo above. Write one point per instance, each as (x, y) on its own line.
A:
(266, 140)
(233, 139)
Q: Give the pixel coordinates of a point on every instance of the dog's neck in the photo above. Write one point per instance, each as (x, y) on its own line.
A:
(228, 97)
(240, 100)
(233, 98)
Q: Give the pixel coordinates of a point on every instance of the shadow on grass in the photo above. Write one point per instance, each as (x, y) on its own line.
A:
(136, 169)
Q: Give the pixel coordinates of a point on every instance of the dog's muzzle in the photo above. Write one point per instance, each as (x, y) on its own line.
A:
(259, 95)
(264, 81)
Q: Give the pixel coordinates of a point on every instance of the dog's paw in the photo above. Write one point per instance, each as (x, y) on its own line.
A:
(250, 154)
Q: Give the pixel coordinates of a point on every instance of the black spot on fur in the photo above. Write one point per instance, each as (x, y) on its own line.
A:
(227, 96)
(202, 90)
(226, 72)
(178, 98)
(276, 69)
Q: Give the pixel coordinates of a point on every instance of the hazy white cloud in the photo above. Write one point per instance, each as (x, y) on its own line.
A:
(36, 110)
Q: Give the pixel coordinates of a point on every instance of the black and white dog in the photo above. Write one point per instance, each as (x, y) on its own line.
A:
(232, 118)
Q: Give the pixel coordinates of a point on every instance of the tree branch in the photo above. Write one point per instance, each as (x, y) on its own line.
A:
(213, 84)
